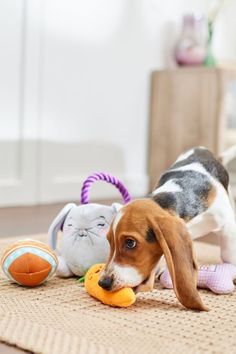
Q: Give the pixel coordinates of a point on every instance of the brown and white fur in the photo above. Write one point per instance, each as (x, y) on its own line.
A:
(192, 198)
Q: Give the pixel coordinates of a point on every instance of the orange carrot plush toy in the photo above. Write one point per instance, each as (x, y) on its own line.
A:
(120, 298)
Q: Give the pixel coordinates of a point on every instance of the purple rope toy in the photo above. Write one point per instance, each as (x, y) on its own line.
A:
(84, 198)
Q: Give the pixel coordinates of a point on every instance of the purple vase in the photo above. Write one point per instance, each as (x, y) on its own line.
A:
(191, 48)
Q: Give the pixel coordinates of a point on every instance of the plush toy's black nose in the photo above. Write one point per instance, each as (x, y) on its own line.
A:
(106, 283)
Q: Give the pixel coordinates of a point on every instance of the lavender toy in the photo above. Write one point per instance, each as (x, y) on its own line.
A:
(84, 228)
(217, 278)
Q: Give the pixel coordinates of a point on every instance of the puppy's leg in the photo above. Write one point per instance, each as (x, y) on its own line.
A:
(228, 242)
(149, 283)
(224, 212)
(227, 232)
(231, 198)
(202, 225)
(219, 218)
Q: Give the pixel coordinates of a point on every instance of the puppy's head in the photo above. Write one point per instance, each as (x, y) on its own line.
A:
(139, 235)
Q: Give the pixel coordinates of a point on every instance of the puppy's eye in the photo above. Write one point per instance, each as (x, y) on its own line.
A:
(69, 225)
(130, 243)
(101, 224)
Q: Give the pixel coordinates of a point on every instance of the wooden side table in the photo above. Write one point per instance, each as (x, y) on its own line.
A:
(188, 108)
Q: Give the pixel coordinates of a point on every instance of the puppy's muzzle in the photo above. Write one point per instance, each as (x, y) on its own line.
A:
(106, 282)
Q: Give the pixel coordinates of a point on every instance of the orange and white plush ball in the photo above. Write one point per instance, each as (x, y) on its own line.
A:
(29, 262)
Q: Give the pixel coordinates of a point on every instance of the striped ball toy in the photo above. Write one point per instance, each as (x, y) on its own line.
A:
(29, 262)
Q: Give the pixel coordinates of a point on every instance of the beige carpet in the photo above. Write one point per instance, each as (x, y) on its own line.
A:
(60, 318)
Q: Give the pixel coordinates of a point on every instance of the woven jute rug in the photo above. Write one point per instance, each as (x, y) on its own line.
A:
(59, 317)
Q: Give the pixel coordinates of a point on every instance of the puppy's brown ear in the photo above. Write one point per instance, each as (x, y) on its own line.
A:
(177, 248)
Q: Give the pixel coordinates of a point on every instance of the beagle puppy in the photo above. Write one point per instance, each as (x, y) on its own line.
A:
(192, 198)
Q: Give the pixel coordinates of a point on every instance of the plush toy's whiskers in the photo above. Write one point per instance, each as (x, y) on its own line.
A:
(94, 234)
(91, 239)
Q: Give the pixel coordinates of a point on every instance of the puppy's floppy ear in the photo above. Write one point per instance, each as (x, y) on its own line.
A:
(177, 248)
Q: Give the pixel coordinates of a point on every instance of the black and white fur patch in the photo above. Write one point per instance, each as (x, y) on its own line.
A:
(184, 188)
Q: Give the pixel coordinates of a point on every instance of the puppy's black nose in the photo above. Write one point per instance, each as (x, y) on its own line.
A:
(106, 283)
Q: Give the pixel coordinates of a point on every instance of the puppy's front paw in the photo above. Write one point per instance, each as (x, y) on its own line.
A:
(144, 288)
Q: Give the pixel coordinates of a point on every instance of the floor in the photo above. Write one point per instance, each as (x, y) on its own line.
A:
(7, 349)
(25, 221)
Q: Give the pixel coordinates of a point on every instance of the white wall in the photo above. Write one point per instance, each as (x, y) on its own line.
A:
(97, 61)
(87, 84)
